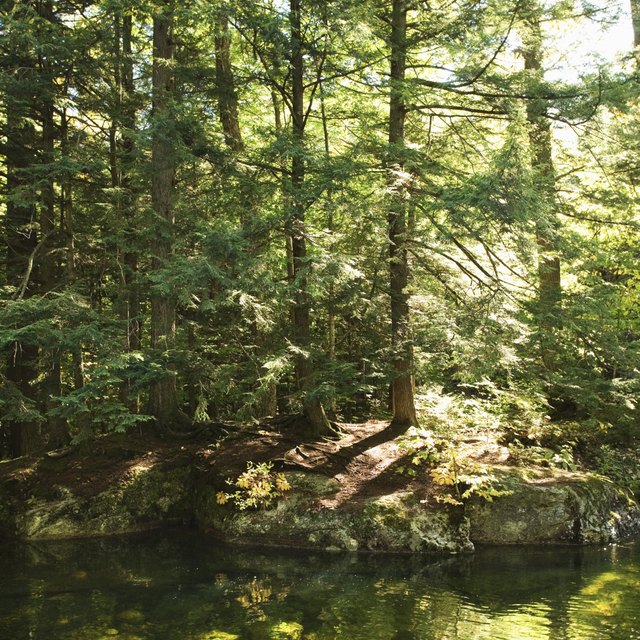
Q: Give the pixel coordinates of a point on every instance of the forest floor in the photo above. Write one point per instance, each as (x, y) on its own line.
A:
(367, 459)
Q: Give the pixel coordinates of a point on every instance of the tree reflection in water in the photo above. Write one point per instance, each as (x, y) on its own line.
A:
(187, 586)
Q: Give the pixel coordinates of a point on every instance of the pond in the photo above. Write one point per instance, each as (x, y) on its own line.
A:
(183, 585)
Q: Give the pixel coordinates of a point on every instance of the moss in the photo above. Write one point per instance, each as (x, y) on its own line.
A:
(140, 502)
(399, 522)
(131, 615)
(548, 507)
(395, 522)
(286, 631)
(545, 505)
(9, 494)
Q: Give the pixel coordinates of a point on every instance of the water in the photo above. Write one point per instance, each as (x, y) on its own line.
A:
(186, 586)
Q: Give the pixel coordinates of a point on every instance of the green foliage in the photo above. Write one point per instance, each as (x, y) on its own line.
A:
(621, 466)
(97, 407)
(422, 447)
(466, 480)
(447, 468)
(476, 213)
(256, 488)
(563, 458)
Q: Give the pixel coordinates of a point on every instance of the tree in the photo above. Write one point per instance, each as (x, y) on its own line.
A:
(549, 285)
(313, 409)
(404, 412)
(163, 398)
(635, 18)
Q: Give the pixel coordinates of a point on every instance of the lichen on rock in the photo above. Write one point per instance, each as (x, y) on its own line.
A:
(141, 501)
(554, 506)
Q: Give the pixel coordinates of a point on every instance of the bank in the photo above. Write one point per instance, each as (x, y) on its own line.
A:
(363, 492)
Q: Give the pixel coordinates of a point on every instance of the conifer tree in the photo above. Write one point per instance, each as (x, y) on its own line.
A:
(404, 413)
(163, 395)
(549, 284)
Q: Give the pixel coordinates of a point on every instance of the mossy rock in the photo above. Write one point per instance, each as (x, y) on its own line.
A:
(394, 522)
(8, 508)
(286, 631)
(400, 522)
(553, 507)
(140, 502)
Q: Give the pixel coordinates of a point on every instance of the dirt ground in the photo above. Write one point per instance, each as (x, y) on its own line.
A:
(364, 458)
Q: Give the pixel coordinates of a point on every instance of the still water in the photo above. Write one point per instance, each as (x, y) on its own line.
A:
(185, 586)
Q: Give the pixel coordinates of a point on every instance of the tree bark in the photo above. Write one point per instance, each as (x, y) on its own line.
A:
(549, 276)
(402, 393)
(129, 198)
(265, 403)
(48, 273)
(305, 374)
(635, 18)
(331, 293)
(67, 226)
(227, 99)
(163, 397)
(21, 242)
(122, 169)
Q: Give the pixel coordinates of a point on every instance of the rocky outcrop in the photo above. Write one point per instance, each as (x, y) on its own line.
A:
(146, 498)
(546, 505)
(541, 506)
(392, 522)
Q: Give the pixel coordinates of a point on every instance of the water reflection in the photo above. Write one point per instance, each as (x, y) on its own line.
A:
(188, 586)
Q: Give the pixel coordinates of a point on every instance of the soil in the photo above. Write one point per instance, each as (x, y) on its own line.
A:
(364, 458)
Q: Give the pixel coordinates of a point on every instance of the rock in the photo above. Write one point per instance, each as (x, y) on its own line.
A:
(400, 522)
(146, 499)
(286, 631)
(551, 506)
(394, 522)
(543, 506)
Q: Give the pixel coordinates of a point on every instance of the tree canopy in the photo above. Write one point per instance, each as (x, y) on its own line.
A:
(232, 210)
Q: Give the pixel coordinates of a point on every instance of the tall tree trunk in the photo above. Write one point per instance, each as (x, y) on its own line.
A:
(635, 18)
(21, 247)
(265, 403)
(122, 169)
(313, 409)
(163, 398)
(549, 281)
(227, 99)
(129, 198)
(67, 226)
(404, 413)
(48, 273)
(331, 293)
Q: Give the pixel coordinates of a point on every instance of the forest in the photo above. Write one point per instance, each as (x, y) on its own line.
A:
(325, 211)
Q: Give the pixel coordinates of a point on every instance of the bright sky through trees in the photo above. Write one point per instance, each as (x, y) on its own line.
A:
(577, 47)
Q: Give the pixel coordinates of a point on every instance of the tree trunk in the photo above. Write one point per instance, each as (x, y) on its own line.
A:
(227, 99)
(56, 430)
(70, 253)
(313, 410)
(21, 242)
(404, 413)
(129, 199)
(331, 293)
(123, 167)
(265, 403)
(549, 281)
(635, 18)
(163, 398)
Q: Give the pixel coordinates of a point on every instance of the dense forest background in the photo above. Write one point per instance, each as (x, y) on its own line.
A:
(333, 208)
